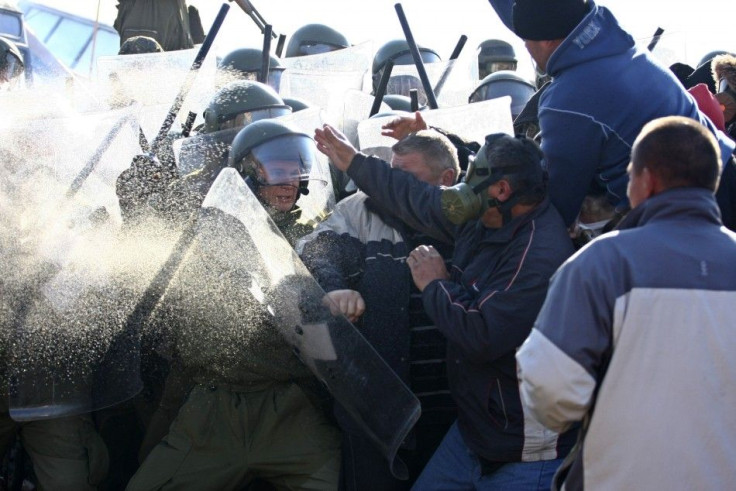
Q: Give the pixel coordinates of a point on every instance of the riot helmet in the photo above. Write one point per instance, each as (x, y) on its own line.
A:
(314, 39)
(495, 55)
(137, 45)
(11, 63)
(276, 160)
(246, 63)
(504, 83)
(518, 159)
(296, 104)
(398, 102)
(398, 52)
(240, 103)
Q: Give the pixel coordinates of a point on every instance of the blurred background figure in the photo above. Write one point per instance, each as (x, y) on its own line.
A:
(398, 52)
(495, 55)
(246, 64)
(11, 65)
(166, 21)
(504, 83)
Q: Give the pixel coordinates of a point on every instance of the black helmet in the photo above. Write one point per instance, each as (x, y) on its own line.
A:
(398, 52)
(11, 61)
(296, 104)
(245, 63)
(709, 56)
(240, 103)
(313, 39)
(137, 45)
(397, 102)
(494, 55)
(502, 83)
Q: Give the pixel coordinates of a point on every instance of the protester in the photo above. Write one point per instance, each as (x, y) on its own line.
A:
(359, 257)
(640, 317)
(724, 74)
(508, 241)
(604, 89)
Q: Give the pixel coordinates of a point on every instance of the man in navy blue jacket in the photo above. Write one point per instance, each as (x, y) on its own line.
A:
(604, 89)
(508, 242)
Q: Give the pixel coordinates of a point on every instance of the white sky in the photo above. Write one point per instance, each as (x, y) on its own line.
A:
(692, 29)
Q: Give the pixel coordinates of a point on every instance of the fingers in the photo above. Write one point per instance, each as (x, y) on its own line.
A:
(346, 302)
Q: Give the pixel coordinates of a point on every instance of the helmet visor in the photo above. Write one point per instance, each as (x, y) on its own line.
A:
(285, 160)
(317, 48)
(403, 85)
(246, 118)
(488, 67)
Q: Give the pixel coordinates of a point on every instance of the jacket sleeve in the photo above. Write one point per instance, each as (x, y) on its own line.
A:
(565, 356)
(492, 317)
(572, 144)
(415, 202)
(332, 253)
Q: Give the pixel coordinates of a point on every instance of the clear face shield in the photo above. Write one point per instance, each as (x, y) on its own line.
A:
(243, 119)
(283, 170)
(307, 48)
(487, 67)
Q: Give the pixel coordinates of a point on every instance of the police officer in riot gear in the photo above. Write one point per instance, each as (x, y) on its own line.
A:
(246, 63)
(11, 64)
(495, 55)
(166, 21)
(504, 83)
(313, 39)
(398, 52)
(254, 411)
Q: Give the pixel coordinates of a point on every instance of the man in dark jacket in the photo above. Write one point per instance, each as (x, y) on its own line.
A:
(508, 241)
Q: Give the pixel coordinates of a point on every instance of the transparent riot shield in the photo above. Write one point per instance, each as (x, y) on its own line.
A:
(356, 108)
(326, 90)
(203, 150)
(247, 309)
(670, 47)
(70, 352)
(351, 59)
(154, 80)
(471, 122)
(456, 80)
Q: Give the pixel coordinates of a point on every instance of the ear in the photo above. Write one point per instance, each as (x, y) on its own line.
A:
(652, 183)
(504, 190)
(447, 178)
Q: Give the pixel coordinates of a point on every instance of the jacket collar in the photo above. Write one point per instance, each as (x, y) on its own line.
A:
(675, 204)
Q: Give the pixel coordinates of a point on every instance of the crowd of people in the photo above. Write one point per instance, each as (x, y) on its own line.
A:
(540, 310)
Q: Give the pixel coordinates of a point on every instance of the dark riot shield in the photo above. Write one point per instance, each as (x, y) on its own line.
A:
(75, 277)
(244, 303)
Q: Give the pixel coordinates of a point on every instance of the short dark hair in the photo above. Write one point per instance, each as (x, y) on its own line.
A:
(680, 151)
(523, 157)
(438, 151)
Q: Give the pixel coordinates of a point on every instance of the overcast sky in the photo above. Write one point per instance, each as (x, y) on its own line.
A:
(691, 28)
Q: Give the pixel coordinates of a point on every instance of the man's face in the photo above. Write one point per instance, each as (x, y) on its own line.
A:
(540, 52)
(281, 195)
(414, 164)
(637, 190)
